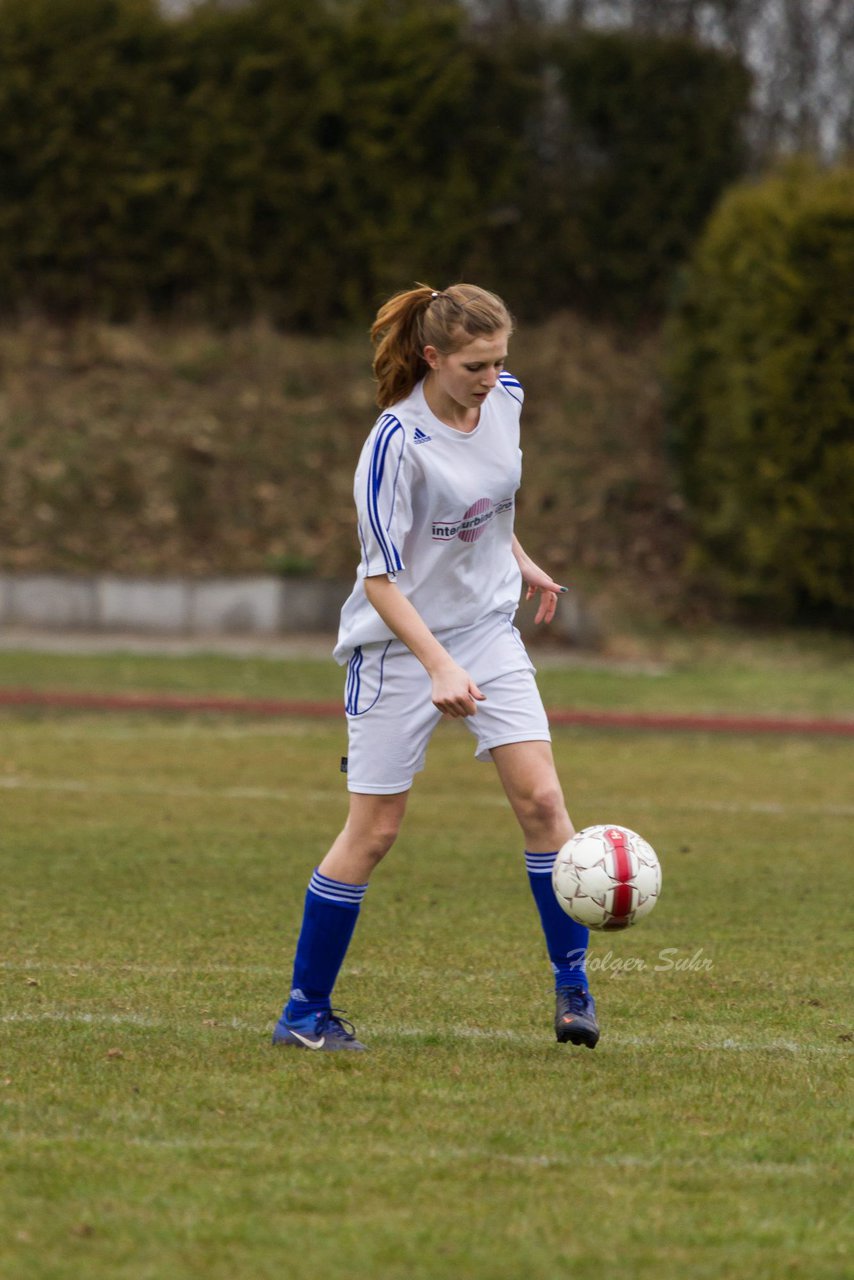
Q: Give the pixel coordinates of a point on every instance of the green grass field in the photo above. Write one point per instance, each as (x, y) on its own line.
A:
(153, 870)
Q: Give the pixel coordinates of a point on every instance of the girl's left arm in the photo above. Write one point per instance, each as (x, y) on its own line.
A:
(536, 579)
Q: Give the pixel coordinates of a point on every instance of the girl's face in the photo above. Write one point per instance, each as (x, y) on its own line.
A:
(468, 375)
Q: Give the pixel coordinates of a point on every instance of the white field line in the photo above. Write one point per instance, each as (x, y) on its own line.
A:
(728, 1044)
(125, 1020)
(81, 786)
(448, 1155)
(109, 731)
(73, 967)
(572, 1161)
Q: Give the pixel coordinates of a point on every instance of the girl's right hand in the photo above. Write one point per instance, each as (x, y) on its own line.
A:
(455, 694)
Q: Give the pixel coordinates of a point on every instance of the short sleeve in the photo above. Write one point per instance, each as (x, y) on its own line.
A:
(382, 498)
(513, 387)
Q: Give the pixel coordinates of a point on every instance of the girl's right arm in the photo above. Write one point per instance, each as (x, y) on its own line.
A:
(454, 691)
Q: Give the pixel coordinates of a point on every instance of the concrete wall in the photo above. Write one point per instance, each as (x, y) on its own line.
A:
(262, 606)
(178, 606)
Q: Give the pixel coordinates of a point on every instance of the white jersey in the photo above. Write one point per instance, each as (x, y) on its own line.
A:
(435, 510)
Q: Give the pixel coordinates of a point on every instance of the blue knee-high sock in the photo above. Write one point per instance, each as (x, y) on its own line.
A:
(331, 912)
(566, 941)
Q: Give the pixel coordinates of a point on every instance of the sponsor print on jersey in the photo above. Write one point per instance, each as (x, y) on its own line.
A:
(472, 525)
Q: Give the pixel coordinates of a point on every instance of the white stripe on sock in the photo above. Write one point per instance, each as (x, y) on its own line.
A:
(540, 864)
(349, 895)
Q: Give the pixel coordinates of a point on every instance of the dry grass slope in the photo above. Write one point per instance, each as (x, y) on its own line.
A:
(153, 450)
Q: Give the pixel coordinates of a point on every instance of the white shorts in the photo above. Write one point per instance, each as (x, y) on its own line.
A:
(391, 718)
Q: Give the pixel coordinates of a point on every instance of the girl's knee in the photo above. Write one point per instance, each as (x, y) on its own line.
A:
(380, 840)
(541, 812)
(544, 803)
(375, 827)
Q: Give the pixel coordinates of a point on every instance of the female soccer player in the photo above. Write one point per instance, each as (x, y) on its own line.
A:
(428, 631)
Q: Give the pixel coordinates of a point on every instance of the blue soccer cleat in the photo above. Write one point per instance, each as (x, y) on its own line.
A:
(575, 1017)
(323, 1032)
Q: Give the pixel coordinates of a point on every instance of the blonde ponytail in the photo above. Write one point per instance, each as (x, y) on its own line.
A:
(419, 317)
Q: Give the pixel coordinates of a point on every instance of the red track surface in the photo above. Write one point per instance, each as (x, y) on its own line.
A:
(58, 700)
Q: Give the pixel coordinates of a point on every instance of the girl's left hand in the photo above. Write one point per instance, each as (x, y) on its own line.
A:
(548, 599)
(536, 579)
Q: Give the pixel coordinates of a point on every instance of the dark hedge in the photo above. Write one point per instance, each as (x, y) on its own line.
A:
(304, 160)
(761, 399)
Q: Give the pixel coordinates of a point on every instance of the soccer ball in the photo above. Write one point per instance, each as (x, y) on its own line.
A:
(607, 877)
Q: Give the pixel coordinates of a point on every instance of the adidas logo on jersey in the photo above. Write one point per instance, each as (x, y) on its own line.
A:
(421, 437)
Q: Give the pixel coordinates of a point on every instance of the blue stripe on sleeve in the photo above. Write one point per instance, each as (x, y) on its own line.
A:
(376, 472)
(511, 385)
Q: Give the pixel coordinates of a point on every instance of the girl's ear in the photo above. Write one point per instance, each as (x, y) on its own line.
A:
(431, 357)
